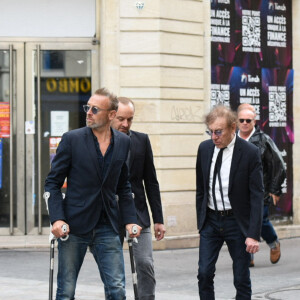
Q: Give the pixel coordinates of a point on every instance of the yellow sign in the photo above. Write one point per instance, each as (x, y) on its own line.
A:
(68, 85)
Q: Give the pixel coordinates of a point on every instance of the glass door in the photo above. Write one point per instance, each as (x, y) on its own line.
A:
(60, 80)
(12, 218)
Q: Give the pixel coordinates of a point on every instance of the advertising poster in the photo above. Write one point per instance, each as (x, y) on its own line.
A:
(277, 104)
(222, 32)
(245, 87)
(53, 144)
(220, 87)
(4, 120)
(277, 122)
(232, 86)
(248, 47)
(277, 34)
(251, 49)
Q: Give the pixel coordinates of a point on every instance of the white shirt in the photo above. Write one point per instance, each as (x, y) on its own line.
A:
(224, 172)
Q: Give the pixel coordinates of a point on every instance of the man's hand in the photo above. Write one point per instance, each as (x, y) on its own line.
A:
(275, 198)
(129, 229)
(252, 245)
(57, 229)
(159, 231)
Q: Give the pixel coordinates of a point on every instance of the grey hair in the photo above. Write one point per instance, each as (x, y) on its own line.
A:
(112, 97)
(221, 111)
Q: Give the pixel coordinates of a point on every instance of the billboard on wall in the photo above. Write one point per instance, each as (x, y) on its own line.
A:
(251, 62)
(4, 120)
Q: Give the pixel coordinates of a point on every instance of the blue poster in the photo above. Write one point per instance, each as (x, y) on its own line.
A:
(0, 163)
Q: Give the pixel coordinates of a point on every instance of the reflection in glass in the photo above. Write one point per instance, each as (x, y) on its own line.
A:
(5, 133)
(65, 88)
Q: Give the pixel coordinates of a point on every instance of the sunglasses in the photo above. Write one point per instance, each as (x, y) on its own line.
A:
(94, 109)
(216, 132)
(247, 120)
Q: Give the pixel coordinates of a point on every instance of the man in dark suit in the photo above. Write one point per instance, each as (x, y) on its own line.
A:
(142, 177)
(229, 202)
(93, 159)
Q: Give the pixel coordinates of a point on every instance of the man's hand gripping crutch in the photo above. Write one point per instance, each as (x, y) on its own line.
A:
(134, 230)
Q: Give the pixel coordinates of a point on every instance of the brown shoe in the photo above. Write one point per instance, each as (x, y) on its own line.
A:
(275, 254)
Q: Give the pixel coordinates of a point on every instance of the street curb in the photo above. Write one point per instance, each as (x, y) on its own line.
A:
(169, 242)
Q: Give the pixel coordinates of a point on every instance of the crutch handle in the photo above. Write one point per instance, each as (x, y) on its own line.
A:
(64, 229)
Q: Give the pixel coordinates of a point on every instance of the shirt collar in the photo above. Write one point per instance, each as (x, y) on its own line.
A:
(231, 144)
(248, 138)
(112, 139)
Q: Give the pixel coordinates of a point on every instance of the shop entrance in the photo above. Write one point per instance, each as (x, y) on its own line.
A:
(42, 89)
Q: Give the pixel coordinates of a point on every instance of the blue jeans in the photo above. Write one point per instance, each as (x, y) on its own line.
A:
(267, 230)
(215, 231)
(106, 247)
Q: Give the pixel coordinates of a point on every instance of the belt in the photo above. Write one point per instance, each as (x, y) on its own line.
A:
(223, 213)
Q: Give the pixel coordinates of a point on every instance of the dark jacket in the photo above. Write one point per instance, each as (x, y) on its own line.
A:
(87, 196)
(143, 178)
(245, 189)
(273, 166)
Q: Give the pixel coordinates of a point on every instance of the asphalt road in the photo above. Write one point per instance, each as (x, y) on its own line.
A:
(24, 275)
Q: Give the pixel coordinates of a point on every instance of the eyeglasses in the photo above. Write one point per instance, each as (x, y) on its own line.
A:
(94, 109)
(247, 120)
(216, 132)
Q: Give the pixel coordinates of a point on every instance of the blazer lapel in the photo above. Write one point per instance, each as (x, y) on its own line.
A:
(115, 149)
(236, 156)
(90, 143)
(210, 153)
(133, 146)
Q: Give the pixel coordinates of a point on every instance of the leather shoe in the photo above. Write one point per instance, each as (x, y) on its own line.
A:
(275, 254)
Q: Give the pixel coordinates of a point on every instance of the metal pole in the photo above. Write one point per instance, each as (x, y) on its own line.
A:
(132, 263)
(51, 272)
(11, 143)
(39, 139)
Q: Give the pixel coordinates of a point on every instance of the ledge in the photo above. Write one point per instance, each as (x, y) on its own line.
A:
(169, 242)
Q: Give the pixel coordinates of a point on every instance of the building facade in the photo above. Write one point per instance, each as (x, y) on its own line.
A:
(53, 55)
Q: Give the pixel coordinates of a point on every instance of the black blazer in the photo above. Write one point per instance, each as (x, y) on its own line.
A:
(86, 197)
(245, 190)
(143, 177)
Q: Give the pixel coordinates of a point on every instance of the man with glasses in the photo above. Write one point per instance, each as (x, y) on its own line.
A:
(143, 182)
(93, 159)
(229, 202)
(273, 173)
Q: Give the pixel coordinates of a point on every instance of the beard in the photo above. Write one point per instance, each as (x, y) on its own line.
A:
(95, 125)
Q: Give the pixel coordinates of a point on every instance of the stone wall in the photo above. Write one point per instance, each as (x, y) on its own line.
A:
(161, 67)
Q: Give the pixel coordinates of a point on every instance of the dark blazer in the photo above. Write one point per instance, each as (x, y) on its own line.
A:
(245, 190)
(143, 177)
(76, 159)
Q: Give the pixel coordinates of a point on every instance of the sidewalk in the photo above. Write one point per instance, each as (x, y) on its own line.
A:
(24, 275)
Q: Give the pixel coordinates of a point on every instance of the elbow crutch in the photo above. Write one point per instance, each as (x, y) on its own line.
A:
(52, 240)
(132, 261)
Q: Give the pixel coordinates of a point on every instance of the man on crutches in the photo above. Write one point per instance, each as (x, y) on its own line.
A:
(93, 159)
